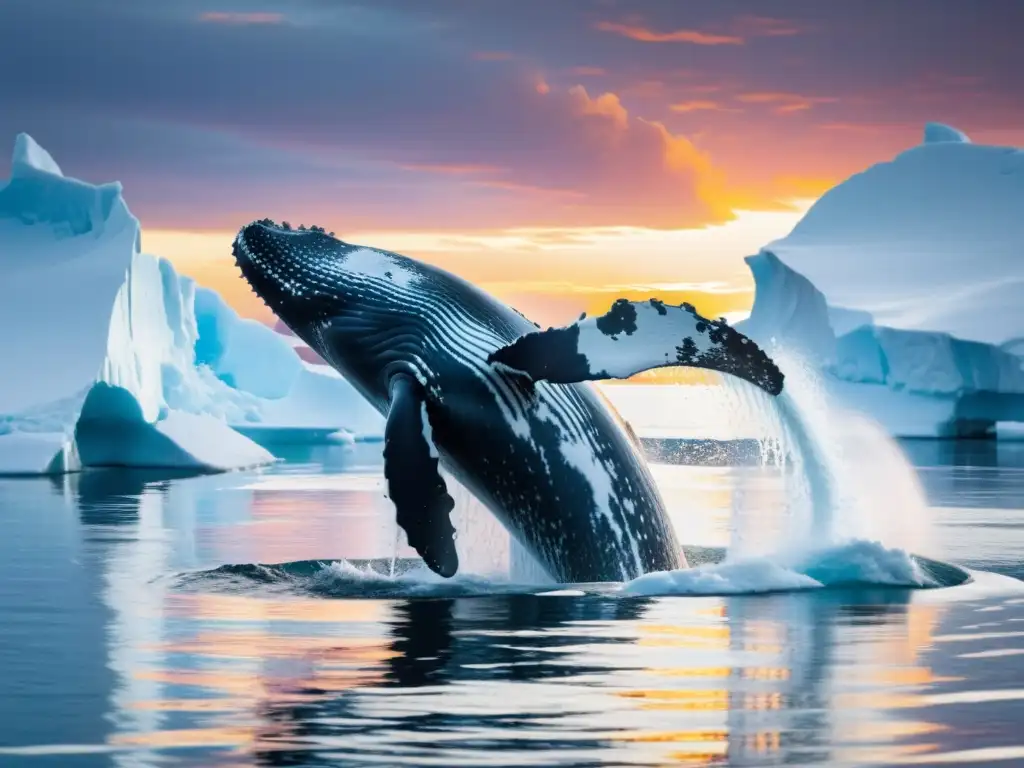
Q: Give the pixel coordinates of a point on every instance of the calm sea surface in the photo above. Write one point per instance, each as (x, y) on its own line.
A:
(118, 647)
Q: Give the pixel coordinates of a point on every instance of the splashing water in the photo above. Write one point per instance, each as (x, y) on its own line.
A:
(485, 546)
(852, 510)
(849, 511)
(850, 507)
(846, 479)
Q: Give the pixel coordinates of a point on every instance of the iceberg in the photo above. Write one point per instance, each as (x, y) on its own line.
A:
(114, 359)
(903, 285)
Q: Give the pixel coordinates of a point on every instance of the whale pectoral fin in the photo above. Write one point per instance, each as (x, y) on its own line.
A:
(421, 499)
(634, 337)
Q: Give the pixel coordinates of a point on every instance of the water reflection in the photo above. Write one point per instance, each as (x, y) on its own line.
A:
(794, 678)
(98, 651)
(440, 673)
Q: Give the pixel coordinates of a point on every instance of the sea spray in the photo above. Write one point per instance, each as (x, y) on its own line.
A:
(485, 547)
(845, 478)
(805, 421)
(763, 514)
(481, 541)
(845, 483)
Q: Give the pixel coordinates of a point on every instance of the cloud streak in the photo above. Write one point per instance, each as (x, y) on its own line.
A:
(646, 35)
(456, 114)
(505, 149)
(701, 105)
(740, 30)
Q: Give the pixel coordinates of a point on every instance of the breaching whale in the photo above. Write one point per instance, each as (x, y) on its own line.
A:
(470, 384)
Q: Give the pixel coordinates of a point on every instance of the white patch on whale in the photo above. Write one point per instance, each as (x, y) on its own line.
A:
(380, 266)
(581, 456)
(623, 354)
(428, 433)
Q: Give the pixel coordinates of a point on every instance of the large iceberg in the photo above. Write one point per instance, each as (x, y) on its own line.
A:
(114, 359)
(904, 284)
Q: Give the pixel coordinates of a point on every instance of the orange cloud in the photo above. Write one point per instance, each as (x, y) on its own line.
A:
(645, 35)
(492, 56)
(741, 28)
(682, 155)
(233, 17)
(595, 163)
(607, 105)
(766, 97)
(701, 105)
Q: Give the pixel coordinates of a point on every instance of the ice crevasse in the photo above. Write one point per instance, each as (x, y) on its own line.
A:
(111, 358)
(904, 284)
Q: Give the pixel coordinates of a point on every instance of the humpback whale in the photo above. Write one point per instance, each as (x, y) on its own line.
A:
(470, 384)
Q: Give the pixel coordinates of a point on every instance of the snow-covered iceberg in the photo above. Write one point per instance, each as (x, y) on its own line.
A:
(904, 284)
(114, 359)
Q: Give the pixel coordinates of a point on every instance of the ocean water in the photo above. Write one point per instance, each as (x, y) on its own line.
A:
(119, 645)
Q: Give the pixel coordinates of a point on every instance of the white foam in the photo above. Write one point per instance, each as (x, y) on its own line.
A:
(343, 579)
(858, 562)
(748, 577)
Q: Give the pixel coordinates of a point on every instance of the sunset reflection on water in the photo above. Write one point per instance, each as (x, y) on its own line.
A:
(239, 673)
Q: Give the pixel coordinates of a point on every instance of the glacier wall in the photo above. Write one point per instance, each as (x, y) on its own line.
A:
(114, 359)
(902, 285)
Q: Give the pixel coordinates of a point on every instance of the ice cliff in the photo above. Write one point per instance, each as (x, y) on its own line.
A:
(114, 359)
(905, 284)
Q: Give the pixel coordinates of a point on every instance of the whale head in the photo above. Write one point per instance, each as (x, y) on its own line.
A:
(294, 271)
(306, 276)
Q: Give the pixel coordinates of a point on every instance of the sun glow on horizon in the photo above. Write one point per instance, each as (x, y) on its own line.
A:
(551, 273)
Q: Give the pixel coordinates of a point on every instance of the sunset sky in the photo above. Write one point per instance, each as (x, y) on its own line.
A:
(561, 153)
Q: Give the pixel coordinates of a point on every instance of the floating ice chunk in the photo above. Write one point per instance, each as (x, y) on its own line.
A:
(907, 278)
(121, 361)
